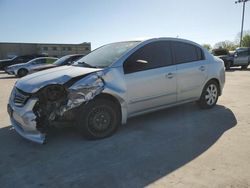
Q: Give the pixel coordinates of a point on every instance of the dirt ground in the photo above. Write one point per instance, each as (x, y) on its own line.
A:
(178, 147)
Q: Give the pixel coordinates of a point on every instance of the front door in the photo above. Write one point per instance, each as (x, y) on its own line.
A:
(150, 77)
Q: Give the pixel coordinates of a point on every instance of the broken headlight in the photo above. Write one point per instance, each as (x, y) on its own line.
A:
(55, 92)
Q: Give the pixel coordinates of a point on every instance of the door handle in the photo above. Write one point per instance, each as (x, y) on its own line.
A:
(202, 68)
(170, 75)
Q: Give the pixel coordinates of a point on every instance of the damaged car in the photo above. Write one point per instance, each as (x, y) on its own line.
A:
(113, 83)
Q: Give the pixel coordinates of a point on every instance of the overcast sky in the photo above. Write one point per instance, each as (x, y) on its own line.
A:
(105, 21)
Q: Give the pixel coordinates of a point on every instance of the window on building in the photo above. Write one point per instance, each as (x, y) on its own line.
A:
(45, 48)
(69, 49)
(54, 48)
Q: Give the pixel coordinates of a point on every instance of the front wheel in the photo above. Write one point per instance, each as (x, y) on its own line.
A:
(22, 72)
(98, 119)
(209, 95)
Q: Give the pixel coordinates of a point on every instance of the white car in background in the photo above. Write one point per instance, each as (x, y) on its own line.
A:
(23, 69)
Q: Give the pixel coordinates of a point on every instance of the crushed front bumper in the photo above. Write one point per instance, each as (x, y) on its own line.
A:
(23, 120)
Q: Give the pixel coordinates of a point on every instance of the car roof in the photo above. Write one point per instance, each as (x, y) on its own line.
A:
(148, 40)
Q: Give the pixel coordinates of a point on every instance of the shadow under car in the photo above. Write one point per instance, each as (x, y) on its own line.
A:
(148, 148)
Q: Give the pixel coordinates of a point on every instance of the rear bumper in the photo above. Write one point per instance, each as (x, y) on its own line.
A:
(24, 121)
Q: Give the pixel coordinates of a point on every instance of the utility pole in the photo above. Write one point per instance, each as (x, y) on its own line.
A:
(243, 16)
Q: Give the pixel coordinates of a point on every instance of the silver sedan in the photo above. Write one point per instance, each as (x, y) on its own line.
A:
(113, 83)
(23, 69)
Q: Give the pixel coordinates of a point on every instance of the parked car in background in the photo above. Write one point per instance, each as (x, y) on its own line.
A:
(17, 59)
(65, 60)
(115, 82)
(23, 69)
(240, 57)
(224, 55)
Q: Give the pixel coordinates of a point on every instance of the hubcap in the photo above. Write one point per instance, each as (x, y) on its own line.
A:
(100, 119)
(211, 94)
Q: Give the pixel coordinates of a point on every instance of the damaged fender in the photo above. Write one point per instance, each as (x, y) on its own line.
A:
(83, 91)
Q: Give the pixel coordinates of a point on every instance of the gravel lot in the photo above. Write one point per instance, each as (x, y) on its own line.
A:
(177, 147)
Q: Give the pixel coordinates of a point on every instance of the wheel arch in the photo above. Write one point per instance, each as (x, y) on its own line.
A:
(117, 100)
(217, 81)
(22, 68)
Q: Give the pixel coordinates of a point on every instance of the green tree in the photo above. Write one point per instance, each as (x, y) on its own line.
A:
(246, 40)
(207, 46)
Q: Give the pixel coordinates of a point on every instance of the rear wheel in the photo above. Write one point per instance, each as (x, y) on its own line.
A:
(98, 119)
(244, 67)
(228, 65)
(22, 72)
(209, 95)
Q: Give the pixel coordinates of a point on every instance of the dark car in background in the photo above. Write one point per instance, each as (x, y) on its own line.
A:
(18, 59)
(65, 60)
(240, 57)
(224, 55)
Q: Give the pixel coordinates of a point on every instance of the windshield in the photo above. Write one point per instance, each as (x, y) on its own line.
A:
(61, 60)
(105, 55)
(30, 61)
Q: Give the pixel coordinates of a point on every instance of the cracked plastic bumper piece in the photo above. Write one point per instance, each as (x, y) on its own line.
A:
(24, 121)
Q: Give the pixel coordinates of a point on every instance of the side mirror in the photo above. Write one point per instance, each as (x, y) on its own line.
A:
(141, 61)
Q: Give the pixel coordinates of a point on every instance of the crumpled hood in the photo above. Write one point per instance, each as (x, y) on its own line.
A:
(58, 75)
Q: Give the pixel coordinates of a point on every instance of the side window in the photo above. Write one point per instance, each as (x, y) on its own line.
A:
(242, 53)
(27, 58)
(200, 54)
(38, 61)
(19, 59)
(150, 56)
(185, 53)
(48, 61)
(73, 59)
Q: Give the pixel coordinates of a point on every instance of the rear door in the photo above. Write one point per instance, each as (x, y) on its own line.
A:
(191, 70)
(150, 77)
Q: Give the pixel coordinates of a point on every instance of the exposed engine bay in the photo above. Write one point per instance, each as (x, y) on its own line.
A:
(56, 104)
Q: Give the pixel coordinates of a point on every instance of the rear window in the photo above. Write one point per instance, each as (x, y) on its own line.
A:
(185, 52)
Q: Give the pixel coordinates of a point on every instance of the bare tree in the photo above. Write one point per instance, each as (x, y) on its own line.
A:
(229, 45)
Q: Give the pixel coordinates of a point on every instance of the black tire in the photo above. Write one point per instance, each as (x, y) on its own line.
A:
(98, 119)
(244, 67)
(209, 100)
(22, 72)
(228, 65)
